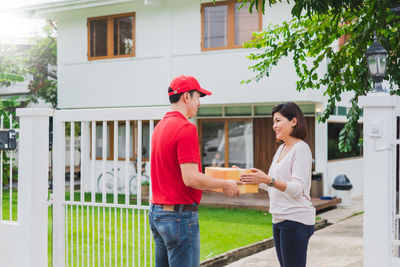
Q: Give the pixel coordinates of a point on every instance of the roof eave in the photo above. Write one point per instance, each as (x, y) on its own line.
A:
(44, 10)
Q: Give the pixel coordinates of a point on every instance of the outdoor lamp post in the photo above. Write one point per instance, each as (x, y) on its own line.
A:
(376, 61)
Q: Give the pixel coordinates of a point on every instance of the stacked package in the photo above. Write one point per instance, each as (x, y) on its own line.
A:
(234, 174)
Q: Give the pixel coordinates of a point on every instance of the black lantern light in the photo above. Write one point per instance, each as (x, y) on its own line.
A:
(376, 61)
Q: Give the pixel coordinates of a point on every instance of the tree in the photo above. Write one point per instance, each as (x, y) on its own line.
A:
(10, 69)
(310, 38)
(40, 62)
(8, 106)
(10, 77)
(310, 7)
(10, 72)
(7, 121)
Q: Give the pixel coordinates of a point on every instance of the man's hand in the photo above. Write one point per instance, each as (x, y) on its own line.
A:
(231, 188)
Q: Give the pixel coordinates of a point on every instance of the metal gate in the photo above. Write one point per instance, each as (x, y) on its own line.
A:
(100, 158)
(8, 175)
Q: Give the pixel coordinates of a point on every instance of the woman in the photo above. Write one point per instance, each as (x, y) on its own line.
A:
(289, 181)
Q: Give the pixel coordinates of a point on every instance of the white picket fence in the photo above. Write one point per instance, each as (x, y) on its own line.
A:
(95, 221)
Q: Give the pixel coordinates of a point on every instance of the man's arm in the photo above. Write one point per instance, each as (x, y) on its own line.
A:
(195, 179)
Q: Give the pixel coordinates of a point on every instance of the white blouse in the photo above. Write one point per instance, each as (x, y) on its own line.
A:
(295, 169)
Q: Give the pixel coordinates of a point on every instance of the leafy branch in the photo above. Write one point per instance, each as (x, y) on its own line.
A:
(311, 41)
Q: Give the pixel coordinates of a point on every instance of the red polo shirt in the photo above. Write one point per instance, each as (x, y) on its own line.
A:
(174, 141)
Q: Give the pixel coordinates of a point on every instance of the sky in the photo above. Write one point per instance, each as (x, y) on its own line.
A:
(17, 27)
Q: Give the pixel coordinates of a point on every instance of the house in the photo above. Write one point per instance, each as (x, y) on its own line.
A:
(124, 53)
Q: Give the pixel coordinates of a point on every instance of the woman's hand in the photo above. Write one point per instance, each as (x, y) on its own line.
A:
(256, 177)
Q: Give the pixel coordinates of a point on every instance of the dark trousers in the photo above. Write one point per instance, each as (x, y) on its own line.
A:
(291, 241)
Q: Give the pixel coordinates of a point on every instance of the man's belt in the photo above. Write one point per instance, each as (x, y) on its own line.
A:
(186, 207)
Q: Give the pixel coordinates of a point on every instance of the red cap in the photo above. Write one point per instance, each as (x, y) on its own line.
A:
(184, 83)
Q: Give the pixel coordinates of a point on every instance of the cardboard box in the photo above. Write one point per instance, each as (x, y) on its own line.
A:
(234, 174)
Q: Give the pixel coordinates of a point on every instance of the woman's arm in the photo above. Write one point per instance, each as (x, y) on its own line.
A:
(300, 170)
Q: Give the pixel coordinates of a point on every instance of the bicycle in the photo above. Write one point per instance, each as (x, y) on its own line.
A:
(132, 181)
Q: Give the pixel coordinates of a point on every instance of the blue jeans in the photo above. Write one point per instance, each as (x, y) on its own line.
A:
(176, 237)
(291, 241)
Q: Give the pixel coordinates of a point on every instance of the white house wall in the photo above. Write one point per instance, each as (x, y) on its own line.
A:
(168, 41)
(167, 44)
(352, 168)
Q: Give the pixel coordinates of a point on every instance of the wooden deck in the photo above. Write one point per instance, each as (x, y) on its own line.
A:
(255, 201)
(320, 204)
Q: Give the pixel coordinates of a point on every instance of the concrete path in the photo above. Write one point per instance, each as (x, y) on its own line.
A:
(337, 245)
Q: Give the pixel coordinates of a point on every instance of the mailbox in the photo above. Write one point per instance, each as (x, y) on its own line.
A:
(8, 140)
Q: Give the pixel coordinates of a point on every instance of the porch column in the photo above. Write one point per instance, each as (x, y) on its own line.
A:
(378, 173)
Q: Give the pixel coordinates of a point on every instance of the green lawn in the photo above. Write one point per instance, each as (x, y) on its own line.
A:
(5, 204)
(220, 229)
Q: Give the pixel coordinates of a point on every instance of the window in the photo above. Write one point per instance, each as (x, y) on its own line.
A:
(226, 142)
(111, 36)
(121, 138)
(339, 111)
(333, 136)
(99, 140)
(226, 26)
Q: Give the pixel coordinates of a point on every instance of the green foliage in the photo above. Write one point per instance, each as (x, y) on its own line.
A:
(8, 106)
(40, 62)
(310, 40)
(334, 131)
(10, 70)
(7, 109)
(146, 183)
(7, 114)
(77, 129)
(310, 7)
(10, 77)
